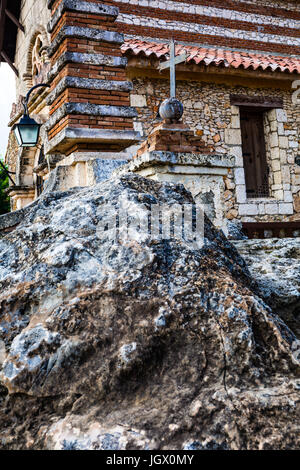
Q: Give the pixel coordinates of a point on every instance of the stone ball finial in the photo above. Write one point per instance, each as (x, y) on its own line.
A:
(171, 109)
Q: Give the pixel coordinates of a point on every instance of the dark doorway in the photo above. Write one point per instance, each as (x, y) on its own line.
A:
(39, 179)
(254, 153)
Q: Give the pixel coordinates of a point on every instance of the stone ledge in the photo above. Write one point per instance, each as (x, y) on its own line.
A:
(179, 170)
(181, 163)
(81, 7)
(84, 33)
(83, 157)
(42, 168)
(89, 109)
(19, 189)
(161, 158)
(87, 59)
(72, 135)
(87, 84)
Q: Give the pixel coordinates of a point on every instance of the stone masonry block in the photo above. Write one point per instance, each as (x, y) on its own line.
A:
(277, 177)
(287, 196)
(272, 115)
(281, 115)
(286, 175)
(139, 101)
(272, 208)
(239, 176)
(274, 139)
(276, 165)
(278, 194)
(233, 137)
(235, 122)
(241, 196)
(235, 110)
(282, 154)
(248, 209)
(275, 153)
(286, 208)
(283, 142)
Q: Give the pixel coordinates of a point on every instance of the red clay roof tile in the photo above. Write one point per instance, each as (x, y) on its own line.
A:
(219, 57)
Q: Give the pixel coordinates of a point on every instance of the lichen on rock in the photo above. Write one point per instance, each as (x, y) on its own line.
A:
(136, 343)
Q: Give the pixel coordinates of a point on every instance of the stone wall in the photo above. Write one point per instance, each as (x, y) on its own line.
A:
(207, 110)
(32, 63)
(89, 104)
(34, 17)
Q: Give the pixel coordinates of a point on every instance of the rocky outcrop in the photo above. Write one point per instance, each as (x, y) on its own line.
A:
(275, 265)
(136, 342)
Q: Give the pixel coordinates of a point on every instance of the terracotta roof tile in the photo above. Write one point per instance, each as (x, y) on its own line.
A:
(218, 57)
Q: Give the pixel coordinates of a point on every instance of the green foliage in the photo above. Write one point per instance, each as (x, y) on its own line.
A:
(4, 199)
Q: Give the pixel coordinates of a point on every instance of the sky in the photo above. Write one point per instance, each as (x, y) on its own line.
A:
(7, 97)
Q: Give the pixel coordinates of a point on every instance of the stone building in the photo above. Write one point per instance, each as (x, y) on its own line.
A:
(238, 85)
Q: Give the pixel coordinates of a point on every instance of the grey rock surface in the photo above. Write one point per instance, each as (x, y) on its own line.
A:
(103, 168)
(136, 342)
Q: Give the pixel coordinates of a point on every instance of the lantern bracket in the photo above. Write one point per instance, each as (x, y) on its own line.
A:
(25, 103)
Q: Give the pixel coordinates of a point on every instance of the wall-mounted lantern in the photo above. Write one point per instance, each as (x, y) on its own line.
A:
(297, 160)
(27, 131)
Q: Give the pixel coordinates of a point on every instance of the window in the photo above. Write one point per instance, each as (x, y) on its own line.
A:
(254, 152)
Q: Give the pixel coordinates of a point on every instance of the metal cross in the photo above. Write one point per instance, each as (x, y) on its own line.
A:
(171, 64)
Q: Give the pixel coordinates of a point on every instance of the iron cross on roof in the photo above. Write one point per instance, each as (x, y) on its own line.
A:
(171, 64)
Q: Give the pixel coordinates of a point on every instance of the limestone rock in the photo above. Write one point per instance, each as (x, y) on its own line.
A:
(140, 343)
(275, 264)
(235, 227)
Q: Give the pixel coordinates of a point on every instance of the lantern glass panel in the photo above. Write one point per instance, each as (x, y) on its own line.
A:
(29, 134)
(18, 136)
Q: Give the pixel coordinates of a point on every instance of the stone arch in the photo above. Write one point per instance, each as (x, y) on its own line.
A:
(37, 64)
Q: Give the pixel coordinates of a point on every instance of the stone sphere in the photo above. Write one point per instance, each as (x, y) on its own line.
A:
(171, 109)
